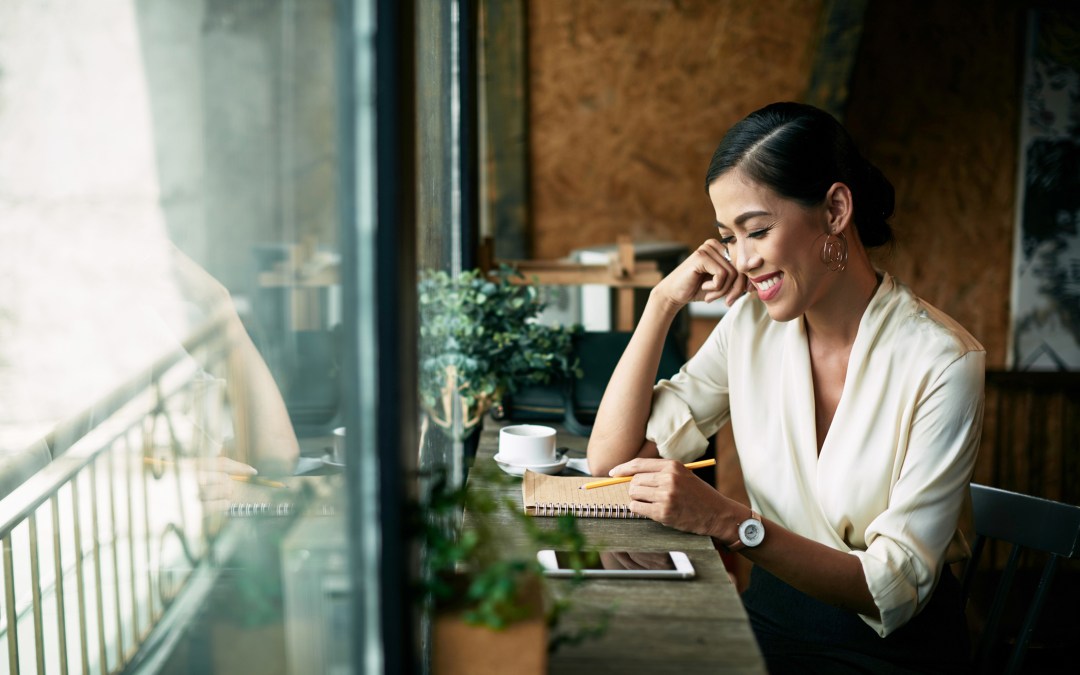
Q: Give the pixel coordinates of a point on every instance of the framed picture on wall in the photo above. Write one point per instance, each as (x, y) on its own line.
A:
(1046, 259)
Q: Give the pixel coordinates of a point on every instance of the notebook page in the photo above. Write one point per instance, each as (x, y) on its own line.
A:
(541, 490)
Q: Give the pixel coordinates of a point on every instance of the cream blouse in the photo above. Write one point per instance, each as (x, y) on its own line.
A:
(894, 468)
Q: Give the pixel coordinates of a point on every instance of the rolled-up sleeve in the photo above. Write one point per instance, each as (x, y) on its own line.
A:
(906, 543)
(694, 404)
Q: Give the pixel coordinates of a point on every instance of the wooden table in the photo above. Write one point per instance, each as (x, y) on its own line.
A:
(693, 626)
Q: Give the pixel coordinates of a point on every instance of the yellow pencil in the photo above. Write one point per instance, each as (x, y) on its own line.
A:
(257, 480)
(241, 478)
(627, 479)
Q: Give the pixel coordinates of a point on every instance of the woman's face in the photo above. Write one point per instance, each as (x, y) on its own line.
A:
(774, 241)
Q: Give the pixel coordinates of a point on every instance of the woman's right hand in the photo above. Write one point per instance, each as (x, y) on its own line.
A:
(705, 275)
(618, 433)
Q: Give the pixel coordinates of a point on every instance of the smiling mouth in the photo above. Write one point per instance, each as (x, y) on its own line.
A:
(769, 286)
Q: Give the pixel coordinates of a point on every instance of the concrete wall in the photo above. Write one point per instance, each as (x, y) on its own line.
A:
(129, 124)
(243, 94)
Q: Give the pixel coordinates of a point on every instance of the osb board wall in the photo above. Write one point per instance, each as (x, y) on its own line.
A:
(934, 102)
(628, 99)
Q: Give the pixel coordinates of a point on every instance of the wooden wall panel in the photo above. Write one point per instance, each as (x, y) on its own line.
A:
(935, 103)
(504, 118)
(629, 99)
(1031, 435)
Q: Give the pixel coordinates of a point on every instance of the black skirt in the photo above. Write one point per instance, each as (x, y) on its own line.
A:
(798, 634)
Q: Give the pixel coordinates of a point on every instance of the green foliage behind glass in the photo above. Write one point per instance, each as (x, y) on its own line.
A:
(484, 328)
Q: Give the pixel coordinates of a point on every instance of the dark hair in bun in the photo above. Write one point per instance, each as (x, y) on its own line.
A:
(799, 151)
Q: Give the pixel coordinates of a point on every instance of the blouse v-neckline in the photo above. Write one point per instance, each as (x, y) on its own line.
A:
(799, 401)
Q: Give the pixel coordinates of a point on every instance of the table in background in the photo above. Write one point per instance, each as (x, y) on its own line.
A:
(692, 626)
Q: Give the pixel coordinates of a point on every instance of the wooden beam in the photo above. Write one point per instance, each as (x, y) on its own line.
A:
(504, 115)
(558, 273)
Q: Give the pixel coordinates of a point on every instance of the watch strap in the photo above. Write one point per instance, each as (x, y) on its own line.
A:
(738, 544)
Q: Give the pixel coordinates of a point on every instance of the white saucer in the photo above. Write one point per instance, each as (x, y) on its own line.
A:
(519, 469)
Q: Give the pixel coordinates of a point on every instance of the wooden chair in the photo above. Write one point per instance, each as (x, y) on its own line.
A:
(1025, 522)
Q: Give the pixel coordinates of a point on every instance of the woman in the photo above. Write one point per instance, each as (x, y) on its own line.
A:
(856, 408)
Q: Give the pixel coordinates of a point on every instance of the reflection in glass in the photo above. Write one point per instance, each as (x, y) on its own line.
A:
(170, 337)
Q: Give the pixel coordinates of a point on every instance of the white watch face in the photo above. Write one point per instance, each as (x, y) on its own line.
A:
(751, 532)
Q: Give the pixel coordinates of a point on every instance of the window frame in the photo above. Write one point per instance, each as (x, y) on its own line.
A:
(378, 287)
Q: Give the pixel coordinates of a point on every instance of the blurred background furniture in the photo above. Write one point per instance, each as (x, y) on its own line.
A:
(1024, 523)
(620, 269)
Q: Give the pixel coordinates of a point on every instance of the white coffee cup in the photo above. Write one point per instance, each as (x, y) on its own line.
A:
(527, 444)
(339, 445)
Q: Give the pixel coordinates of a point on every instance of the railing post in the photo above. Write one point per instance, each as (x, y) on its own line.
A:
(9, 603)
(35, 590)
(58, 566)
(80, 582)
(111, 473)
(96, 551)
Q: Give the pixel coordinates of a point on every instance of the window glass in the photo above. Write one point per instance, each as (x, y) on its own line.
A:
(172, 327)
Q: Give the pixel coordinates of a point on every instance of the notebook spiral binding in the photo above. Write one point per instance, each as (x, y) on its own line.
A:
(586, 510)
(270, 509)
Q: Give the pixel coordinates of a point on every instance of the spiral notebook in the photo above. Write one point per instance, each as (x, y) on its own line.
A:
(276, 509)
(545, 495)
(290, 496)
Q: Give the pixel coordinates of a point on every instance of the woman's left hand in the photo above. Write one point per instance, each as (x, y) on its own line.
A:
(669, 493)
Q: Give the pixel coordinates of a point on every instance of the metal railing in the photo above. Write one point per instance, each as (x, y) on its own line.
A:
(98, 543)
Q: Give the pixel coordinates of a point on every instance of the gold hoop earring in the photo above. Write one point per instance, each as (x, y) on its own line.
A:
(834, 253)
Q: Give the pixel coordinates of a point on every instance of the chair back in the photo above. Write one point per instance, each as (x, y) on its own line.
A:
(1025, 522)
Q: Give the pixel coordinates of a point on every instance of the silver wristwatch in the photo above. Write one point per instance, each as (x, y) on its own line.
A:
(751, 532)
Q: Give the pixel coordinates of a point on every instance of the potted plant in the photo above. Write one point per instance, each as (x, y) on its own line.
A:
(487, 600)
(479, 340)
